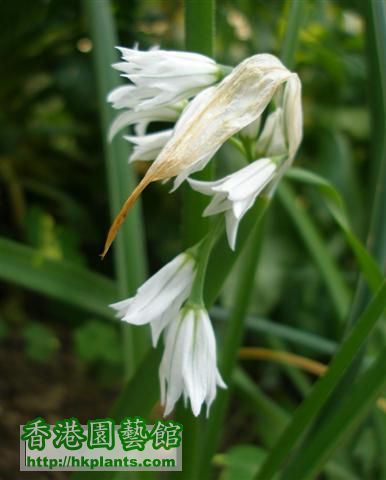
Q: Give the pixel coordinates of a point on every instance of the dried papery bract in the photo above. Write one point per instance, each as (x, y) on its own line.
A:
(208, 122)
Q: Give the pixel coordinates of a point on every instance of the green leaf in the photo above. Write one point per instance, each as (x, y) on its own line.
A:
(223, 258)
(129, 246)
(375, 16)
(200, 20)
(341, 422)
(290, 334)
(322, 390)
(309, 233)
(240, 462)
(336, 207)
(271, 419)
(62, 280)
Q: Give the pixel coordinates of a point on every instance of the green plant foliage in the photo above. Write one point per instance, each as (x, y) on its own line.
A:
(240, 462)
(98, 342)
(41, 344)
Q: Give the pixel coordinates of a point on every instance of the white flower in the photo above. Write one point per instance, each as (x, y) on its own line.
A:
(162, 77)
(159, 299)
(188, 365)
(147, 147)
(235, 194)
(162, 81)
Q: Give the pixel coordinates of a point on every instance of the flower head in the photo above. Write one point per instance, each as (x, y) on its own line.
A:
(188, 365)
(163, 77)
(277, 144)
(159, 299)
(209, 120)
(161, 82)
(235, 194)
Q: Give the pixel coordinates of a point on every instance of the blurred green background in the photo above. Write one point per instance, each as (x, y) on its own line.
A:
(64, 358)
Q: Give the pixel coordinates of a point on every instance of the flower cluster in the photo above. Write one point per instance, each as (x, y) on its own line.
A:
(188, 365)
(207, 108)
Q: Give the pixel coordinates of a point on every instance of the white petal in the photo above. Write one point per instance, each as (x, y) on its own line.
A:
(154, 298)
(147, 147)
(234, 180)
(241, 207)
(121, 307)
(236, 193)
(203, 186)
(129, 117)
(231, 225)
(254, 184)
(196, 167)
(165, 286)
(143, 313)
(293, 115)
(218, 204)
(200, 369)
(178, 336)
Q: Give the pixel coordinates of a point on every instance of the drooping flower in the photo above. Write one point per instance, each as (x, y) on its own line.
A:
(277, 144)
(147, 147)
(161, 83)
(164, 77)
(159, 299)
(188, 365)
(235, 194)
(189, 362)
(210, 120)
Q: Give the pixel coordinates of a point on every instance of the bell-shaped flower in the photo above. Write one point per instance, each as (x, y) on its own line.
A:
(161, 82)
(210, 120)
(147, 147)
(163, 77)
(189, 363)
(159, 299)
(235, 194)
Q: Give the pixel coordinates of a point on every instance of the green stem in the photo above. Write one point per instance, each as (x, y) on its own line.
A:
(199, 37)
(204, 249)
(375, 15)
(129, 255)
(291, 36)
(329, 271)
(231, 343)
